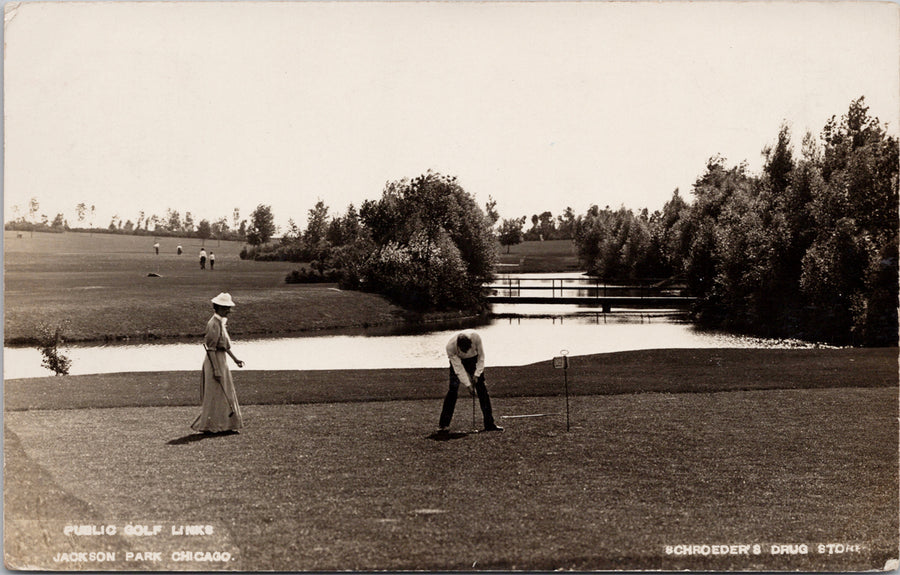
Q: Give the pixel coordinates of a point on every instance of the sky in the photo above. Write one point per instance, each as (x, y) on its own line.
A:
(205, 107)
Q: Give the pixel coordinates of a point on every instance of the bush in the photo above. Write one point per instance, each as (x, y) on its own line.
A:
(309, 276)
(49, 341)
(423, 275)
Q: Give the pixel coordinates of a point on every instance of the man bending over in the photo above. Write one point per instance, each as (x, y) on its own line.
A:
(466, 355)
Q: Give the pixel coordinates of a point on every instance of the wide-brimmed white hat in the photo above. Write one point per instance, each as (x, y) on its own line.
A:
(223, 299)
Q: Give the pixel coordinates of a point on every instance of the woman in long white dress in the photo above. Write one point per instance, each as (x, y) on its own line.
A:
(220, 411)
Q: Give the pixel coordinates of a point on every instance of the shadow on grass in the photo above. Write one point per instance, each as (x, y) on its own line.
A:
(193, 437)
(447, 436)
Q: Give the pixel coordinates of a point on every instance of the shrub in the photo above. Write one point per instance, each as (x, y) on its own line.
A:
(308, 276)
(49, 341)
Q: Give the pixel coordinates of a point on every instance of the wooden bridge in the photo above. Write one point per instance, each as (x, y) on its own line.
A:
(587, 291)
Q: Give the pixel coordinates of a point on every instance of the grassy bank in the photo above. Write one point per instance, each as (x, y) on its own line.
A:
(667, 370)
(760, 447)
(101, 286)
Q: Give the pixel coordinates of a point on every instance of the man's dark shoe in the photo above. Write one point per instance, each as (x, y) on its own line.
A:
(493, 427)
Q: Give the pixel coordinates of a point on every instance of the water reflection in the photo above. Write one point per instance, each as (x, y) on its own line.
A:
(508, 341)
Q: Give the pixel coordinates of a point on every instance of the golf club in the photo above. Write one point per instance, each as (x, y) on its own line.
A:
(473, 413)
(230, 403)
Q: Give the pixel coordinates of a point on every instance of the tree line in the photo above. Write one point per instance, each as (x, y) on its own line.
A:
(172, 223)
(808, 248)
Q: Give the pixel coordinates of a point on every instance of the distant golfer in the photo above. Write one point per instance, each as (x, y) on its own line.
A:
(220, 411)
(156, 247)
(466, 354)
(202, 259)
(178, 250)
(212, 260)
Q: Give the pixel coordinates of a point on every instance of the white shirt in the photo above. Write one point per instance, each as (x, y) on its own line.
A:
(456, 355)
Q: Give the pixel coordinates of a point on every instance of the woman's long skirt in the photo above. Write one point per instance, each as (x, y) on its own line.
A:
(220, 410)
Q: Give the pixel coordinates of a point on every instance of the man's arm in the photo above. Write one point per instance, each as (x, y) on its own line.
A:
(456, 363)
(479, 348)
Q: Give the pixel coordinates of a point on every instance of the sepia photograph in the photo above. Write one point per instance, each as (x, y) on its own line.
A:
(451, 286)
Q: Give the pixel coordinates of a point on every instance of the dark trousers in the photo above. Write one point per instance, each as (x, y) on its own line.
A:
(453, 392)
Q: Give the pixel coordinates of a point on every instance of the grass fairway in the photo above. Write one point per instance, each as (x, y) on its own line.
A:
(100, 284)
(790, 447)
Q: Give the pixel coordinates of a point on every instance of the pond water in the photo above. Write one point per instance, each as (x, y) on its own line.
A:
(536, 333)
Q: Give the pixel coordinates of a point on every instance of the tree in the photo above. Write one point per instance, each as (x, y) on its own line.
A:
(344, 230)
(173, 220)
(434, 245)
(187, 226)
(219, 228)
(510, 232)
(565, 229)
(779, 163)
(670, 234)
(350, 226)
(703, 240)
(293, 232)
(80, 210)
(614, 245)
(262, 225)
(204, 230)
(833, 280)
(543, 227)
(855, 209)
(316, 224)
(861, 161)
(490, 210)
(33, 207)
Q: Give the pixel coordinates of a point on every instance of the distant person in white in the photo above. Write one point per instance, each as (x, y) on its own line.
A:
(466, 354)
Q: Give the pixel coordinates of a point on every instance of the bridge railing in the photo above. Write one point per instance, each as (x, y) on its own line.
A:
(583, 287)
